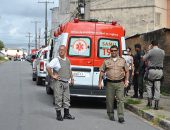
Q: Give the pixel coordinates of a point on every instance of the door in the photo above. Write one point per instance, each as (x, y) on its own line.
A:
(80, 53)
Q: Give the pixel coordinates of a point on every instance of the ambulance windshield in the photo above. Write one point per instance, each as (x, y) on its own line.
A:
(79, 46)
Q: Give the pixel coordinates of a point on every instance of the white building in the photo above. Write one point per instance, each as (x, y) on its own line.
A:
(13, 52)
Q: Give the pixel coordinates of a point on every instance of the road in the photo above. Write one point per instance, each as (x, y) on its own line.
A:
(26, 106)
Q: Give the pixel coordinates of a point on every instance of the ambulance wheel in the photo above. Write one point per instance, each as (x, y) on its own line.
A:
(33, 79)
(49, 91)
(38, 81)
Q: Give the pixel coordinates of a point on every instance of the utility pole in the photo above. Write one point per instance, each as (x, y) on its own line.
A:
(36, 22)
(29, 36)
(46, 2)
(39, 38)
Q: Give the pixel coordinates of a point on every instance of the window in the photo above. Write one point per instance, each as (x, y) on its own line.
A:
(79, 46)
(157, 19)
(104, 47)
(44, 54)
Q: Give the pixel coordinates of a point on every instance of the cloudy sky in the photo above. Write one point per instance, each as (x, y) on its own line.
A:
(16, 20)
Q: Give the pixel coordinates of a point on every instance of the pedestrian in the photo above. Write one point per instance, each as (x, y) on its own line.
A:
(129, 60)
(155, 57)
(59, 69)
(139, 70)
(117, 73)
(131, 68)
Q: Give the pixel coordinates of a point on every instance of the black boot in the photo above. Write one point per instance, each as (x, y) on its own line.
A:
(149, 103)
(134, 96)
(67, 114)
(112, 118)
(121, 120)
(141, 96)
(156, 105)
(59, 116)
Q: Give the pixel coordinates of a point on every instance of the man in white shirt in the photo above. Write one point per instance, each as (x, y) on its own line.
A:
(129, 61)
(59, 69)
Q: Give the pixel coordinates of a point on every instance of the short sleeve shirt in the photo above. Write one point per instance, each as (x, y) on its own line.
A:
(155, 56)
(114, 70)
(54, 64)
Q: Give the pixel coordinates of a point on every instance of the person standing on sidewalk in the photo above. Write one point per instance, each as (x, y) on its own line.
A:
(59, 69)
(139, 69)
(117, 73)
(155, 58)
(129, 60)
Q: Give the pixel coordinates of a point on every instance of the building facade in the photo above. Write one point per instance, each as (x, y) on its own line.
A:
(136, 16)
(13, 52)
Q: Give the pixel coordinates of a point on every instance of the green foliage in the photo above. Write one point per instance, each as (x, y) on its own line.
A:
(133, 101)
(1, 45)
(165, 90)
(2, 58)
(157, 119)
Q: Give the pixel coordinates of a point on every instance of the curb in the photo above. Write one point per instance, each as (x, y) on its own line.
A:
(2, 61)
(163, 123)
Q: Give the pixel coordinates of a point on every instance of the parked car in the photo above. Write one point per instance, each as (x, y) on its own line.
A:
(39, 66)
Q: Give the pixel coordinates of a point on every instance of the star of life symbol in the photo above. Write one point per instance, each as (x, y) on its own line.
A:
(80, 46)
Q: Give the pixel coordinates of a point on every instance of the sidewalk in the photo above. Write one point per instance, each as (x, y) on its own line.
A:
(159, 117)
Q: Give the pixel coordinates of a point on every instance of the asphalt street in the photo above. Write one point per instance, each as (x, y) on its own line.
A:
(26, 106)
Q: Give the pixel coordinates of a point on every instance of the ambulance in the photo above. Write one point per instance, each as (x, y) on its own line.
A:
(88, 45)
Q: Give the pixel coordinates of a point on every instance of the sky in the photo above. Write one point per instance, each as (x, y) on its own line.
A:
(17, 20)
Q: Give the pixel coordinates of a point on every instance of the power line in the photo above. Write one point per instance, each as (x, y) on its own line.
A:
(9, 39)
(46, 2)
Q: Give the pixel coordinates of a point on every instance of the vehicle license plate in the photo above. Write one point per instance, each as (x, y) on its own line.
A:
(80, 74)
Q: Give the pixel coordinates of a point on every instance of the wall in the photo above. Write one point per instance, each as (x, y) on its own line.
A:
(168, 14)
(161, 7)
(136, 16)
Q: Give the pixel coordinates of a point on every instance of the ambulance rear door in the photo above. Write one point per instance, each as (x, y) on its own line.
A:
(80, 53)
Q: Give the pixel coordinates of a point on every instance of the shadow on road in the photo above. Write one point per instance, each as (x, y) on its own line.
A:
(96, 103)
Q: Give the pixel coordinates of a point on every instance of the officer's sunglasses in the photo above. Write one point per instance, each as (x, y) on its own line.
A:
(113, 50)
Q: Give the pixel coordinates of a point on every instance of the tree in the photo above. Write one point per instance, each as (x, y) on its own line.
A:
(1, 45)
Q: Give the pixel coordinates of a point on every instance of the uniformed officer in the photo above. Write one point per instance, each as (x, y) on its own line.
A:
(154, 57)
(59, 70)
(117, 73)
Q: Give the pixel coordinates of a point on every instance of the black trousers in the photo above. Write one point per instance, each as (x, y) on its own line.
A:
(138, 84)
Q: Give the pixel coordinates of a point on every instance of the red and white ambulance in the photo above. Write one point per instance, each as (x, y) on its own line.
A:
(88, 44)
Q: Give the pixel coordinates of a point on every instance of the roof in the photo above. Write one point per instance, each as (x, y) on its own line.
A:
(137, 35)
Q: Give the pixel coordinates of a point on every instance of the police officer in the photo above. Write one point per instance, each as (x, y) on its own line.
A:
(59, 70)
(154, 57)
(117, 73)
